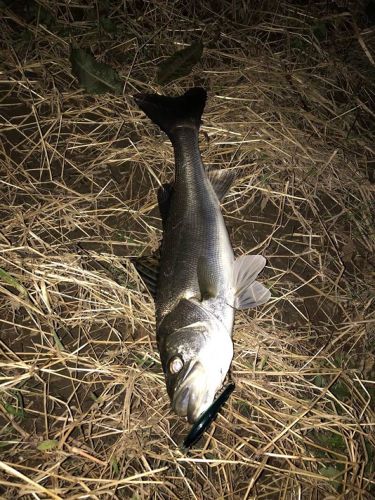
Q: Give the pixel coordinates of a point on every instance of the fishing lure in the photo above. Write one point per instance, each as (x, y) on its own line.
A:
(204, 421)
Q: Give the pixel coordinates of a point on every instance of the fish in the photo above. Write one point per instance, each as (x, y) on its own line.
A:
(199, 283)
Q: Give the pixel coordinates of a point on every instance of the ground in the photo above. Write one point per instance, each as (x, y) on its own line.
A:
(83, 406)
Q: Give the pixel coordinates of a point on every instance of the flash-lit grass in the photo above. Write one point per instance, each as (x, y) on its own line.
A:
(83, 404)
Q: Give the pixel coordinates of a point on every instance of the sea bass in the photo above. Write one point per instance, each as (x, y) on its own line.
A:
(199, 283)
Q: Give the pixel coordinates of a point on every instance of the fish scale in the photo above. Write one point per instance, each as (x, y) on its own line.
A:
(194, 228)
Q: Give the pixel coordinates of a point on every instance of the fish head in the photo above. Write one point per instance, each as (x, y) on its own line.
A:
(195, 360)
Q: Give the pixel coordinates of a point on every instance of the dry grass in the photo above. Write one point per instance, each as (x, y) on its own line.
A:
(291, 103)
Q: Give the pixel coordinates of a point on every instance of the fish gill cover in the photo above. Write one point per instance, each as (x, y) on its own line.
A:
(83, 406)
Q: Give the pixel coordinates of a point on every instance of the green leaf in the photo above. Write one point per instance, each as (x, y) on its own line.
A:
(104, 6)
(9, 280)
(180, 63)
(92, 396)
(59, 345)
(244, 407)
(5, 3)
(4, 444)
(144, 361)
(320, 30)
(44, 16)
(331, 440)
(25, 35)
(332, 473)
(47, 445)
(115, 466)
(262, 363)
(94, 77)
(108, 25)
(12, 410)
(340, 390)
(329, 471)
(320, 381)
(297, 43)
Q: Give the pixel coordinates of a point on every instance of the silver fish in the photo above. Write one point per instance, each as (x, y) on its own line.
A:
(200, 283)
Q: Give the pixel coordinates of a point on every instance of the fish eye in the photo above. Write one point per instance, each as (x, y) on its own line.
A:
(175, 365)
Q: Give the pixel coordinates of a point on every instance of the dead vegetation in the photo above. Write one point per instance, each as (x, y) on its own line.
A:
(83, 405)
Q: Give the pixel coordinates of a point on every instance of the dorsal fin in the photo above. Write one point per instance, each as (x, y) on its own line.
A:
(221, 180)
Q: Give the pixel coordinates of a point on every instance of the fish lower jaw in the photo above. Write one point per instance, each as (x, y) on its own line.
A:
(192, 399)
(191, 412)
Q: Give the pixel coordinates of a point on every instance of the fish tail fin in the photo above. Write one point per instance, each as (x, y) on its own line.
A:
(171, 113)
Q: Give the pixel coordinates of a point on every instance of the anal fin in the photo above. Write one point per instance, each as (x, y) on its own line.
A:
(221, 181)
(148, 269)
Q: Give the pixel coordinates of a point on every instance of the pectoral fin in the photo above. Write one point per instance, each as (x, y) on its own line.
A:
(253, 296)
(206, 279)
(248, 292)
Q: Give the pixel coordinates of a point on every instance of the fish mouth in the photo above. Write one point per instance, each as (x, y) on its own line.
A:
(192, 396)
